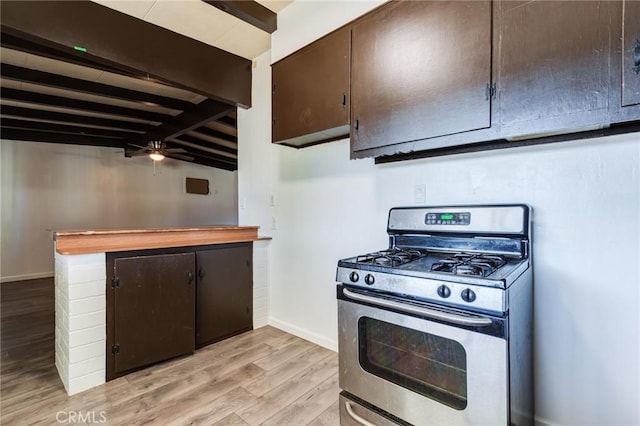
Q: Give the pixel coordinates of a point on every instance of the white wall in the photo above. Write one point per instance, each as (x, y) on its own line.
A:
(61, 187)
(586, 243)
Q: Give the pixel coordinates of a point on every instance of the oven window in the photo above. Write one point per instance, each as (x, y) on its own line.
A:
(430, 365)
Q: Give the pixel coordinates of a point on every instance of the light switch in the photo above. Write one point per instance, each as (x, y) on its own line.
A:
(420, 193)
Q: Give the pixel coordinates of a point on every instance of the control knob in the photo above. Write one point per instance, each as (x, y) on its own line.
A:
(444, 291)
(468, 295)
(354, 277)
(369, 279)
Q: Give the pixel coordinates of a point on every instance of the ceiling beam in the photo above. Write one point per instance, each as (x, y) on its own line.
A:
(17, 73)
(205, 143)
(250, 12)
(16, 123)
(182, 140)
(66, 138)
(15, 43)
(182, 123)
(201, 152)
(213, 163)
(69, 103)
(230, 121)
(216, 135)
(229, 130)
(39, 114)
(128, 43)
(207, 159)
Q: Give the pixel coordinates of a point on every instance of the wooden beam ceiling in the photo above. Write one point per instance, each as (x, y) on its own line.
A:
(42, 117)
(13, 72)
(30, 135)
(39, 114)
(117, 40)
(12, 42)
(207, 110)
(250, 12)
(51, 104)
(47, 104)
(28, 97)
(62, 128)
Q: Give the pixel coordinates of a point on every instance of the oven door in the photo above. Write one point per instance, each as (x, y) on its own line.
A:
(425, 364)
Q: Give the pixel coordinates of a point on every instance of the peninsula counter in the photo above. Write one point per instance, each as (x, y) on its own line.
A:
(80, 288)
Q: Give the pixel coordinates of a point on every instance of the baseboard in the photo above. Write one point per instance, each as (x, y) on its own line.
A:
(26, 277)
(304, 334)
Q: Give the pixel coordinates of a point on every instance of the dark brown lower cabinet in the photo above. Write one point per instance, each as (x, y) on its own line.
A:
(153, 315)
(163, 303)
(224, 296)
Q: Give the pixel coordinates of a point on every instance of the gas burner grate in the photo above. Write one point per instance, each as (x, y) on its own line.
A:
(477, 265)
(391, 257)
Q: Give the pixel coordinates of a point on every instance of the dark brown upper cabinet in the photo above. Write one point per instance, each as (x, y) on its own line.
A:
(434, 77)
(420, 69)
(153, 310)
(552, 67)
(631, 53)
(310, 99)
(224, 295)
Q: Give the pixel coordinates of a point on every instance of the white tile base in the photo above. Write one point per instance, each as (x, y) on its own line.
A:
(260, 283)
(80, 282)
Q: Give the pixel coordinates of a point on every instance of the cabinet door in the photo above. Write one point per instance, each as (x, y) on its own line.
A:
(552, 65)
(631, 53)
(420, 69)
(224, 300)
(310, 99)
(154, 309)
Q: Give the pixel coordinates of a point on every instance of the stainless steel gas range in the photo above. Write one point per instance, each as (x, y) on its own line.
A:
(437, 328)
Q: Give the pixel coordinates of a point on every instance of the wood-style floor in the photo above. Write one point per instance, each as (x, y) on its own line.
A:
(265, 376)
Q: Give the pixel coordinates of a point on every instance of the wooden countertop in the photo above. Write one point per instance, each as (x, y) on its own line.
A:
(111, 240)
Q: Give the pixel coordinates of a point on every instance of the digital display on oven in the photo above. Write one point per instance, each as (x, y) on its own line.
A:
(445, 218)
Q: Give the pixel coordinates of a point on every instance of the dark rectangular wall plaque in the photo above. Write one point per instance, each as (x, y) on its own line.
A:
(197, 186)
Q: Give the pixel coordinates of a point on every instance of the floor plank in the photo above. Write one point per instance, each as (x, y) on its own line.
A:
(277, 399)
(309, 406)
(286, 371)
(329, 417)
(265, 376)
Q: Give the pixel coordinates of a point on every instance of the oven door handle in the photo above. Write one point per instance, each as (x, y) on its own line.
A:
(430, 313)
(354, 416)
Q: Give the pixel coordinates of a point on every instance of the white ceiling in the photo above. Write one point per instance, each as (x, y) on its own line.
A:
(198, 20)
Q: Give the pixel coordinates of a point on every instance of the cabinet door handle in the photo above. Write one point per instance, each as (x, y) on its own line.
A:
(357, 124)
(200, 273)
(490, 92)
(344, 100)
(636, 57)
(190, 277)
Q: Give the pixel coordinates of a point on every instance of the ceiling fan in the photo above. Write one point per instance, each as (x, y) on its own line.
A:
(157, 151)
